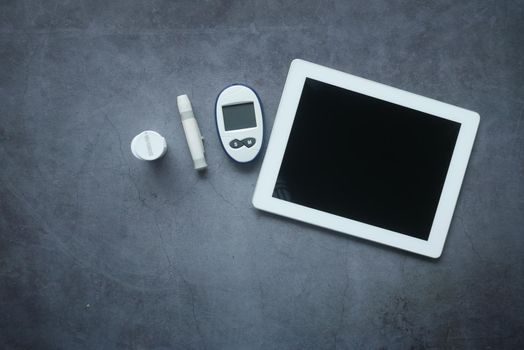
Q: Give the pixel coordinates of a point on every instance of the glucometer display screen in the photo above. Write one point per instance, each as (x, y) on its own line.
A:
(366, 159)
(239, 116)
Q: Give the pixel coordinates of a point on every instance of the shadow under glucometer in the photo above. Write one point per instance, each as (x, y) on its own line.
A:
(246, 168)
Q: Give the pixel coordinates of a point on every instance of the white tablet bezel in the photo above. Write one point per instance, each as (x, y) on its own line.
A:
(298, 72)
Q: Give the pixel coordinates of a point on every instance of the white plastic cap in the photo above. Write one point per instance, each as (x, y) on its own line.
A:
(184, 105)
(200, 163)
(148, 145)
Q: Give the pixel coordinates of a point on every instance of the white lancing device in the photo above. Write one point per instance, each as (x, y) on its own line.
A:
(192, 132)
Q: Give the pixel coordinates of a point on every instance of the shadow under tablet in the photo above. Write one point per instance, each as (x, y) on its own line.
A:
(366, 159)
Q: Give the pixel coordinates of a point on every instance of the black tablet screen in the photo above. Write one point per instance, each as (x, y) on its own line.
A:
(366, 159)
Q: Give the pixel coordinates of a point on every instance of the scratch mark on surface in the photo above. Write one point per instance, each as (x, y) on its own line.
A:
(448, 333)
(193, 311)
(221, 195)
(62, 246)
(283, 251)
(172, 269)
(129, 172)
(186, 193)
(153, 32)
(45, 228)
(517, 134)
(343, 311)
(468, 236)
(196, 323)
(170, 264)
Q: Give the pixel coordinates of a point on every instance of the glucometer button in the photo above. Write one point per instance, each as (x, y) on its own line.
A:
(249, 142)
(236, 144)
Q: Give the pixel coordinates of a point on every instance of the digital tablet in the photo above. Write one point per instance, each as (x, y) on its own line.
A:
(365, 159)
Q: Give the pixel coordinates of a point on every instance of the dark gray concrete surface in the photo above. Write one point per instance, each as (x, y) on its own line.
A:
(101, 251)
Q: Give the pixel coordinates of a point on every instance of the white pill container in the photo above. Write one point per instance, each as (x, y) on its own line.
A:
(148, 145)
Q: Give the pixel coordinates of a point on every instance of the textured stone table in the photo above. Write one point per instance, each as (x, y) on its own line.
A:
(101, 251)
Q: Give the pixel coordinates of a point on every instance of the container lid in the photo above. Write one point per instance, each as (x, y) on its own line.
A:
(148, 145)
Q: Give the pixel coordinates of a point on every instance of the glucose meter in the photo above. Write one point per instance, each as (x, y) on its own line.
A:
(239, 122)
